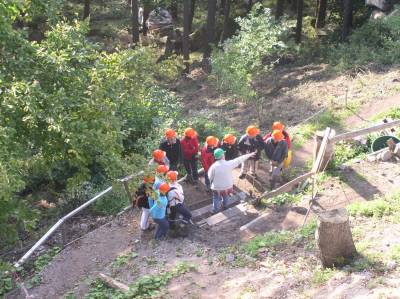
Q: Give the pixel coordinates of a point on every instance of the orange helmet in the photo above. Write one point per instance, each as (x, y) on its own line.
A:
(212, 141)
(277, 135)
(149, 179)
(164, 188)
(162, 169)
(172, 175)
(190, 132)
(230, 138)
(159, 155)
(278, 126)
(170, 133)
(252, 131)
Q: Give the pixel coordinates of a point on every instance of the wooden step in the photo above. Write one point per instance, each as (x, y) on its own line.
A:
(201, 212)
(224, 215)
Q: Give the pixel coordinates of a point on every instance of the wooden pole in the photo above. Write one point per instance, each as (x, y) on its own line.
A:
(112, 283)
(356, 133)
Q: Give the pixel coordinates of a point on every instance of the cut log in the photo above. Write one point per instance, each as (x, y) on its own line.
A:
(112, 283)
(334, 239)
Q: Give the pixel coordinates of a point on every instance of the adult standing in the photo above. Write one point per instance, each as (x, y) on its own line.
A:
(190, 149)
(172, 147)
(221, 178)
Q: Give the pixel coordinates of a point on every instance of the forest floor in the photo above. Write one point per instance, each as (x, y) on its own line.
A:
(219, 261)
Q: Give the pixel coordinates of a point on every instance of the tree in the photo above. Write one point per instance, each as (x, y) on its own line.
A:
(186, 32)
(249, 5)
(279, 8)
(225, 28)
(86, 9)
(211, 10)
(347, 18)
(321, 13)
(299, 24)
(174, 9)
(135, 22)
(191, 16)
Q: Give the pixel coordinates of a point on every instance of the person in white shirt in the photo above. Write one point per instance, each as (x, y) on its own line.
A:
(220, 175)
(175, 199)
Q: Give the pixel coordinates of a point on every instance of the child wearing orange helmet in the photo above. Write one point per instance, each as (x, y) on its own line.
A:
(207, 157)
(281, 127)
(230, 147)
(158, 208)
(142, 196)
(159, 158)
(172, 147)
(276, 149)
(190, 150)
(248, 143)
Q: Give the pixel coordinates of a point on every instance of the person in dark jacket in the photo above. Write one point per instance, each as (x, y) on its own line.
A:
(142, 194)
(190, 149)
(276, 150)
(230, 147)
(249, 143)
(172, 146)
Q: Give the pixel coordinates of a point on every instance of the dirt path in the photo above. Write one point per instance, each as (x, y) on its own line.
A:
(77, 265)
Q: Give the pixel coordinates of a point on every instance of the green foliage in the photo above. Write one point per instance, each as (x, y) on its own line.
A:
(375, 42)
(147, 286)
(6, 280)
(378, 208)
(44, 259)
(395, 253)
(346, 151)
(282, 199)
(242, 55)
(320, 276)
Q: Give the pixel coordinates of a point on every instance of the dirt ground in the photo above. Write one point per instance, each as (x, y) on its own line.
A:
(283, 275)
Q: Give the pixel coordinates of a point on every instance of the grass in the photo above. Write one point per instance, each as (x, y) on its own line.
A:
(378, 208)
(320, 276)
(282, 199)
(274, 239)
(147, 286)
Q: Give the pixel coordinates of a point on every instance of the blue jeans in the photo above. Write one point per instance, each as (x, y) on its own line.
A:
(180, 209)
(162, 228)
(217, 201)
(206, 179)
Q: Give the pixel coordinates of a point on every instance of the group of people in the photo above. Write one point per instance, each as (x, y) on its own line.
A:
(161, 196)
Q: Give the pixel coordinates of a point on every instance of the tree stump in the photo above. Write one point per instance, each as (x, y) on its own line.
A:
(334, 239)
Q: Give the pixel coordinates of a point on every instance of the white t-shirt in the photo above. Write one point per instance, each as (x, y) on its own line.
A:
(176, 195)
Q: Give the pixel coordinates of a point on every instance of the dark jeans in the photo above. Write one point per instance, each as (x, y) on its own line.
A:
(191, 168)
(162, 228)
(180, 209)
(206, 179)
(173, 165)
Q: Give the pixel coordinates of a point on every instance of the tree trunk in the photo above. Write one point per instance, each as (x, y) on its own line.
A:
(279, 8)
(135, 22)
(86, 9)
(225, 28)
(222, 7)
(212, 7)
(321, 14)
(334, 239)
(249, 5)
(347, 18)
(174, 10)
(299, 24)
(191, 16)
(186, 32)
(146, 13)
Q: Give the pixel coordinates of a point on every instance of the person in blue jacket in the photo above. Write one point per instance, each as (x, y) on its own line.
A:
(158, 208)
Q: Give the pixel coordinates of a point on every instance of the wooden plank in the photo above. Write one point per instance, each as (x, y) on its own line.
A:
(112, 283)
(321, 152)
(224, 215)
(356, 133)
(208, 208)
(287, 187)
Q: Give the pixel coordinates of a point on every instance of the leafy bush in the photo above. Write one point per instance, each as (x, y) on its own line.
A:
(375, 42)
(242, 55)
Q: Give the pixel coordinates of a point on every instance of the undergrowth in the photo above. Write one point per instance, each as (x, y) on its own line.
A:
(147, 286)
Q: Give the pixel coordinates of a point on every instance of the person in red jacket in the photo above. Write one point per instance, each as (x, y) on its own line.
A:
(207, 157)
(280, 127)
(190, 149)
